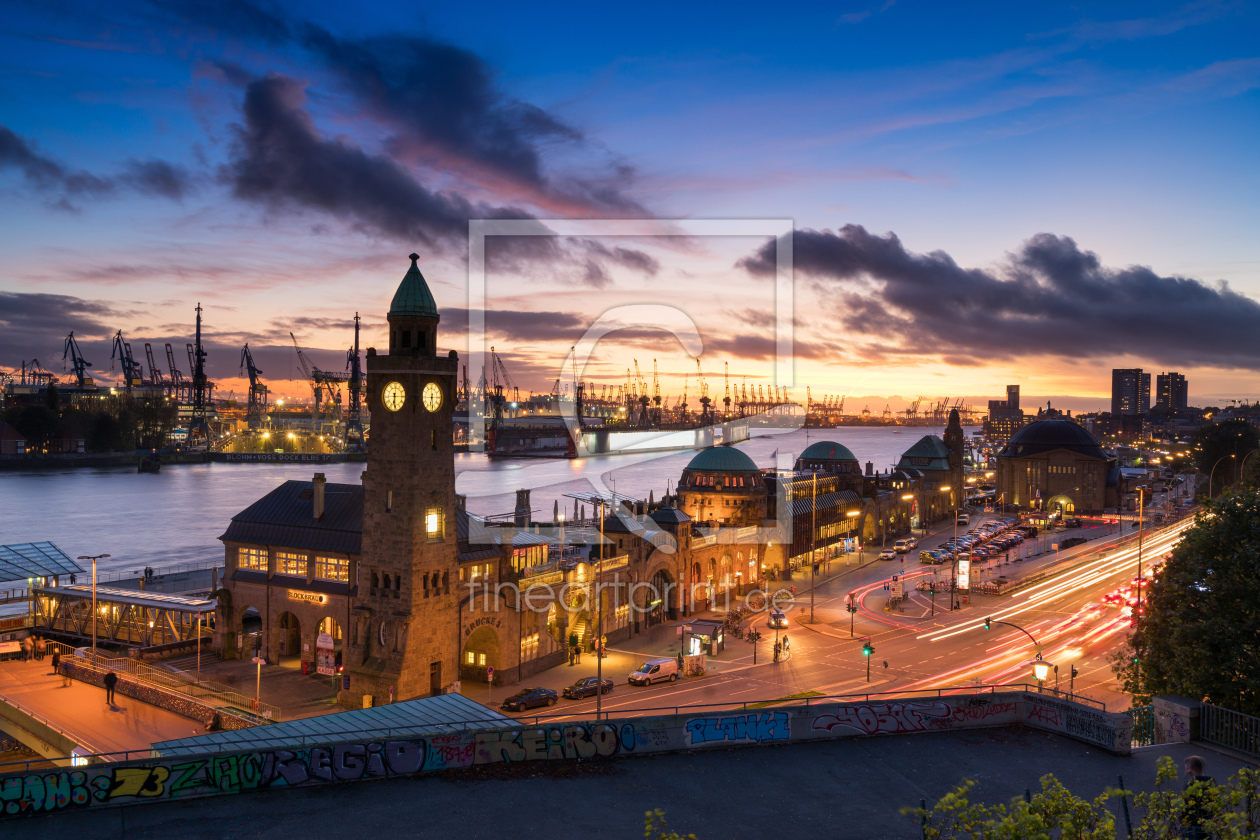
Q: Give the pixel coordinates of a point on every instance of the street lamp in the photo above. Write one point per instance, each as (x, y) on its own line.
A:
(1242, 467)
(1213, 471)
(94, 559)
(1041, 668)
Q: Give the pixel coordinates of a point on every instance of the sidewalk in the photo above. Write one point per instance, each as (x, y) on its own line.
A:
(80, 710)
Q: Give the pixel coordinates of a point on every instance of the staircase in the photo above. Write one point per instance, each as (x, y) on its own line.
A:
(188, 663)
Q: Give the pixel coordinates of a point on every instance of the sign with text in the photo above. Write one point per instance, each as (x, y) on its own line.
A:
(964, 574)
(325, 655)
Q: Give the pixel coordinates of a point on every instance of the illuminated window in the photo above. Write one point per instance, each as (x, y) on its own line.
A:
(472, 658)
(251, 558)
(389, 501)
(433, 524)
(481, 659)
(290, 564)
(332, 568)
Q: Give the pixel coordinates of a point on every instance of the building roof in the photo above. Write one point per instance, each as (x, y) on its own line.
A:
(475, 541)
(846, 499)
(413, 296)
(443, 713)
(32, 560)
(725, 459)
(826, 450)
(7, 432)
(286, 517)
(1042, 436)
(669, 516)
(929, 453)
(132, 597)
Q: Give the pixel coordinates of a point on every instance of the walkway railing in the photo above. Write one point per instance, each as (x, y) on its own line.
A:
(1230, 729)
(1143, 725)
(231, 701)
(34, 715)
(109, 577)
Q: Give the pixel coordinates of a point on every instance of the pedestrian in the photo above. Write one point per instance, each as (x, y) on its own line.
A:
(72, 580)
(215, 724)
(778, 648)
(56, 660)
(41, 648)
(786, 644)
(1200, 795)
(572, 655)
(111, 680)
(28, 649)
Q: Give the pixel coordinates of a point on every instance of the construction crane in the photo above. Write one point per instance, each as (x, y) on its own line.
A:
(325, 386)
(656, 394)
(179, 385)
(726, 400)
(705, 416)
(257, 390)
(354, 420)
(77, 363)
(642, 420)
(155, 374)
(201, 391)
(132, 375)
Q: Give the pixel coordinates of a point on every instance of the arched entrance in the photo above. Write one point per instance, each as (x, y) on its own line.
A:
(481, 651)
(662, 598)
(1062, 503)
(289, 639)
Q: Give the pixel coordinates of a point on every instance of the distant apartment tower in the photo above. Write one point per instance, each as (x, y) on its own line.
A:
(1005, 417)
(1130, 391)
(1171, 391)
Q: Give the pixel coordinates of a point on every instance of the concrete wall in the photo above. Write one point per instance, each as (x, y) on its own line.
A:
(164, 778)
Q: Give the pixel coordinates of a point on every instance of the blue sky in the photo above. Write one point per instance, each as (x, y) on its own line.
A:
(278, 161)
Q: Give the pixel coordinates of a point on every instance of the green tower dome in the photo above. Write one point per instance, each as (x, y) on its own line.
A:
(413, 296)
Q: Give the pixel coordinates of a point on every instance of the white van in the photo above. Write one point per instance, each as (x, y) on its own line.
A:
(901, 546)
(964, 519)
(655, 670)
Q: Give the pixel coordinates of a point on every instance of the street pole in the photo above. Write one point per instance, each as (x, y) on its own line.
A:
(599, 612)
(813, 546)
(1141, 516)
(94, 559)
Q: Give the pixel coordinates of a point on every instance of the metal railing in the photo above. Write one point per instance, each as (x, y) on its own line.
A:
(228, 698)
(1230, 729)
(31, 713)
(1143, 725)
(198, 566)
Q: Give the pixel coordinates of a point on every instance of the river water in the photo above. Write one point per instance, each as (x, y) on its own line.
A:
(177, 515)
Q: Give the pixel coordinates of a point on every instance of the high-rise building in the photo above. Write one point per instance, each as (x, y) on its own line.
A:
(1171, 391)
(1005, 416)
(1130, 391)
(1012, 396)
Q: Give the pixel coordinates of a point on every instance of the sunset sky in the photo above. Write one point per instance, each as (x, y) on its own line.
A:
(982, 193)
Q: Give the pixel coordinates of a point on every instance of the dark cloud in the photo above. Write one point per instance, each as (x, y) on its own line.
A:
(519, 326)
(47, 176)
(282, 159)
(1050, 298)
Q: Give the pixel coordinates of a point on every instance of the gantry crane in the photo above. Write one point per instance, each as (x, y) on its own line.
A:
(78, 364)
(132, 376)
(257, 390)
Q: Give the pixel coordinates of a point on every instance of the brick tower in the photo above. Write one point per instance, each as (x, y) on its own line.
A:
(405, 632)
(955, 441)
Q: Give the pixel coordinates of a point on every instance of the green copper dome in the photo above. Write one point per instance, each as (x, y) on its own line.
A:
(726, 459)
(826, 450)
(413, 296)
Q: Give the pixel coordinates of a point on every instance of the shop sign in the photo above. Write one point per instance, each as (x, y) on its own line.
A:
(313, 597)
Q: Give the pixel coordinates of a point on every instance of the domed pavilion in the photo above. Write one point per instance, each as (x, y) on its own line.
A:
(1055, 464)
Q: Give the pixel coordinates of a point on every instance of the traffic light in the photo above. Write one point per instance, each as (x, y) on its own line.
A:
(1074, 672)
(987, 622)
(867, 650)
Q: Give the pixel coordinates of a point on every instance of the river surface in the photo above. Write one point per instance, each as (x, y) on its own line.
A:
(177, 515)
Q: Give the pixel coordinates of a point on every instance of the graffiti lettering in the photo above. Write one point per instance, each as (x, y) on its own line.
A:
(748, 728)
(883, 718)
(139, 781)
(576, 741)
(966, 713)
(1045, 715)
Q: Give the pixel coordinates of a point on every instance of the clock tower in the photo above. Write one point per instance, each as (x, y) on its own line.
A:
(404, 632)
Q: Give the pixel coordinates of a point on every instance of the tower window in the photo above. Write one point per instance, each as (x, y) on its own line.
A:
(433, 438)
(389, 501)
(406, 338)
(433, 524)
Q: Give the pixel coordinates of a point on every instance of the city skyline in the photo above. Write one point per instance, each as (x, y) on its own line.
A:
(1037, 200)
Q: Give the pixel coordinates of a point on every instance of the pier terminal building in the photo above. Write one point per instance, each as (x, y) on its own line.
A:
(397, 587)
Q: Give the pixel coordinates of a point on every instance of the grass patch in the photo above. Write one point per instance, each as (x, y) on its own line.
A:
(798, 696)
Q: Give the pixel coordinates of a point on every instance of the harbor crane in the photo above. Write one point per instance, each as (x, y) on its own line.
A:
(179, 385)
(325, 385)
(705, 416)
(155, 374)
(656, 394)
(257, 406)
(726, 400)
(132, 376)
(78, 364)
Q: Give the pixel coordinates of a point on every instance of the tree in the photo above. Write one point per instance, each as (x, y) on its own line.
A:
(1221, 440)
(39, 425)
(1198, 635)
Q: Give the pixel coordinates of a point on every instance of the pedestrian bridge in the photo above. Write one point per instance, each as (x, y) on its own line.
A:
(128, 617)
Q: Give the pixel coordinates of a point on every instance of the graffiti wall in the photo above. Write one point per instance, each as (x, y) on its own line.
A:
(178, 778)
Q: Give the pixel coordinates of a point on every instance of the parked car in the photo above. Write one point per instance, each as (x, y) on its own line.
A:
(888, 554)
(530, 698)
(777, 620)
(586, 687)
(1071, 542)
(655, 670)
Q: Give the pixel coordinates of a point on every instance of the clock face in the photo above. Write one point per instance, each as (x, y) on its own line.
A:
(394, 395)
(432, 396)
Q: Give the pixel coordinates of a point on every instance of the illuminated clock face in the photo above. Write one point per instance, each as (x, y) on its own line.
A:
(432, 396)
(394, 396)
